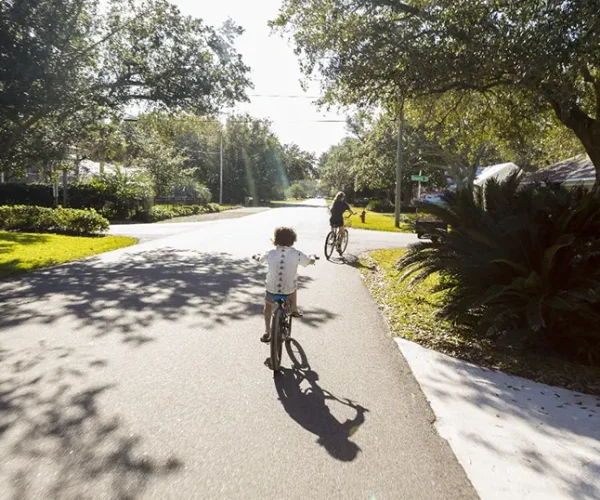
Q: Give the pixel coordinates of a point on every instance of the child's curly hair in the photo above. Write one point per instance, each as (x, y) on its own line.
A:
(284, 236)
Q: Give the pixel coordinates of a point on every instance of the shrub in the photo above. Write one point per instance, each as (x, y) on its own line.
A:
(192, 191)
(521, 263)
(158, 213)
(182, 210)
(48, 220)
(361, 202)
(73, 221)
(121, 195)
(380, 206)
(118, 195)
(213, 208)
(26, 218)
(295, 191)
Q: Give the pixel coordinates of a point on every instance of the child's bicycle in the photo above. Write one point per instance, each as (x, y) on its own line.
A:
(335, 240)
(281, 328)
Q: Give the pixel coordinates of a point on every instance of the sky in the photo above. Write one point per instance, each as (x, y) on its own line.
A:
(275, 71)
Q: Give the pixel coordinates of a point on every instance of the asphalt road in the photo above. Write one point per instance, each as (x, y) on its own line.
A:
(139, 375)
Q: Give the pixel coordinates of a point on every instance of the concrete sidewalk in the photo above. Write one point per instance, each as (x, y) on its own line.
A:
(515, 438)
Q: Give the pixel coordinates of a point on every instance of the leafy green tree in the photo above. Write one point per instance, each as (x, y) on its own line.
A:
(542, 53)
(252, 161)
(295, 191)
(160, 161)
(196, 139)
(61, 58)
(299, 164)
(336, 166)
(366, 162)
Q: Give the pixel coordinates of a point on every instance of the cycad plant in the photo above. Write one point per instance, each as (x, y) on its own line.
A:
(522, 262)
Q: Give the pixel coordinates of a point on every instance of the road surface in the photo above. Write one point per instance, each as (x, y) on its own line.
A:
(139, 375)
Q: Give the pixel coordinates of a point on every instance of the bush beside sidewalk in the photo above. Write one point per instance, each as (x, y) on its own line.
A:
(412, 314)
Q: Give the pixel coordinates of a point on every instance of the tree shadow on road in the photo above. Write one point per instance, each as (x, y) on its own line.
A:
(308, 406)
(128, 295)
(56, 442)
(57, 438)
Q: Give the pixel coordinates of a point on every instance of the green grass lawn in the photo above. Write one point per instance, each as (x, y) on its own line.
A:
(22, 252)
(412, 314)
(383, 222)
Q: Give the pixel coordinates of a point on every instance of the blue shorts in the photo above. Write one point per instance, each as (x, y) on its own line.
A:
(272, 297)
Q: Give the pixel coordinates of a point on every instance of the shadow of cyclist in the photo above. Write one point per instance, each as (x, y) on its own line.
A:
(307, 405)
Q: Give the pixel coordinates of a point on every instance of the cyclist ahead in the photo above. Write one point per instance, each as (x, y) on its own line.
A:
(337, 210)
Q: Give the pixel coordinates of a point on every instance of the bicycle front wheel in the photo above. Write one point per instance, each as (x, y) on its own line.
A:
(276, 340)
(329, 244)
(344, 243)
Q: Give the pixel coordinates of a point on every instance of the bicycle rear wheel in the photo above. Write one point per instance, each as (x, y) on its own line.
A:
(344, 243)
(329, 244)
(276, 340)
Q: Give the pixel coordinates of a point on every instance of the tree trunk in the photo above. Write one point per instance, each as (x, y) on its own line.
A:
(590, 138)
(587, 131)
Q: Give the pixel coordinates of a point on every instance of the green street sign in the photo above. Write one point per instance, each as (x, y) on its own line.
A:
(419, 178)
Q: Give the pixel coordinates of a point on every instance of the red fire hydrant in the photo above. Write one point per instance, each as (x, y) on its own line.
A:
(363, 215)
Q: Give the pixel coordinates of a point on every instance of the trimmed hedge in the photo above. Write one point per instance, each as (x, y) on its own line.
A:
(159, 212)
(213, 208)
(111, 197)
(37, 194)
(35, 219)
(380, 206)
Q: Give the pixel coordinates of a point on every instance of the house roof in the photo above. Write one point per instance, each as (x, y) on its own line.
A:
(578, 169)
(498, 172)
(90, 167)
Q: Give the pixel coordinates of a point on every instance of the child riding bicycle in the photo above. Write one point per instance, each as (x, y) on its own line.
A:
(282, 274)
(337, 210)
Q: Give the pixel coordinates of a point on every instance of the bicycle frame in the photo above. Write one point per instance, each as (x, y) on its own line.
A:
(280, 332)
(283, 303)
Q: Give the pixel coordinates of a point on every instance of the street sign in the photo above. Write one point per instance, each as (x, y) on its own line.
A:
(419, 178)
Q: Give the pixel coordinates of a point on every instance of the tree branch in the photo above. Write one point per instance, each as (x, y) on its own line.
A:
(467, 86)
(399, 6)
(595, 83)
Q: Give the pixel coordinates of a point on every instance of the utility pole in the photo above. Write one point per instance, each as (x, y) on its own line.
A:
(399, 160)
(65, 182)
(221, 163)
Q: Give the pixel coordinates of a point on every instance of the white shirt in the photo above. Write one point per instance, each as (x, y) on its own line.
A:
(282, 276)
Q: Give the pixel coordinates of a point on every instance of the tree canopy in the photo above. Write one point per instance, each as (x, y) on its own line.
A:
(175, 148)
(543, 54)
(64, 59)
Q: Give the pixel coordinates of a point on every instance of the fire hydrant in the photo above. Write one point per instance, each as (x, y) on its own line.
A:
(363, 215)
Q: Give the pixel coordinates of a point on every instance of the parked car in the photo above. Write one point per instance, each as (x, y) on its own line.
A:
(426, 225)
